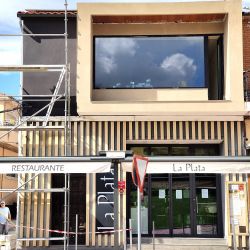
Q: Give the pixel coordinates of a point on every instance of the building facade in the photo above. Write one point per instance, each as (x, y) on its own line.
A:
(9, 116)
(161, 79)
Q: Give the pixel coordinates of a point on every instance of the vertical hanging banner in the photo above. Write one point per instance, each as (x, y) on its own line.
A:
(105, 201)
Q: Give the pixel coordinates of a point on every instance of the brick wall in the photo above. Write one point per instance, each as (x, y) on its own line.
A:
(246, 47)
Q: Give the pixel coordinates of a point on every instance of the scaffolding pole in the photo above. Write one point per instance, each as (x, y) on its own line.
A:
(65, 73)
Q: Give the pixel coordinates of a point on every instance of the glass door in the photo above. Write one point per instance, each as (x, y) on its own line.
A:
(181, 204)
(160, 203)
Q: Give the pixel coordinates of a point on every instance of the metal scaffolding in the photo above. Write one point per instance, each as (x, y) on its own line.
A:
(22, 124)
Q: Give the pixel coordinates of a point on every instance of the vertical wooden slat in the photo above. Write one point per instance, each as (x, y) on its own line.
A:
(118, 136)
(56, 141)
(232, 139)
(48, 206)
(41, 208)
(239, 138)
(28, 209)
(75, 139)
(162, 130)
(112, 136)
(212, 131)
(35, 207)
(99, 139)
(93, 139)
(206, 130)
(193, 130)
(81, 141)
(124, 145)
(225, 140)
(155, 131)
(143, 130)
(199, 131)
(130, 131)
(106, 136)
(168, 130)
(149, 131)
(187, 131)
(181, 130)
(136, 130)
(243, 241)
(174, 131)
(22, 200)
(87, 139)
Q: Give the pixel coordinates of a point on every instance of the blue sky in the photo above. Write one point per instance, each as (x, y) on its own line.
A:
(10, 47)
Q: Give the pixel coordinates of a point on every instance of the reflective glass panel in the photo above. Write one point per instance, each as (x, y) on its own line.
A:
(149, 62)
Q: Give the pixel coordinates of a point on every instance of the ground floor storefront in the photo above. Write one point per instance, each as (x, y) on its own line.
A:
(193, 205)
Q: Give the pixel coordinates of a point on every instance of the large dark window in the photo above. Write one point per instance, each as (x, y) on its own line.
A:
(149, 62)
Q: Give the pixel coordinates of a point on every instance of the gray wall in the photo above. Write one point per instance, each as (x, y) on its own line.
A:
(48, 50)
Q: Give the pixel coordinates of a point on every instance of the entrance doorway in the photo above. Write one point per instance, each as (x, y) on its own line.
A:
(186, 205)
(77, 206)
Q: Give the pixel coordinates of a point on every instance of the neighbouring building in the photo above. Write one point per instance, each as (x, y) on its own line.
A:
(9, 115)
(161, 79)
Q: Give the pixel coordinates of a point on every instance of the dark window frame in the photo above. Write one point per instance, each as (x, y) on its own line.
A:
(206, 61)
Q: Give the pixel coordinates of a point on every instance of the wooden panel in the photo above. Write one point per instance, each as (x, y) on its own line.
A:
(174, 131)
(56, 141)
(187, 131)
(155, 130)
(142, 130)
(225, 139)
(75, 139)
(22, 201)
(118, 136)
(162, 130)
(199, 131)
(212, 130)
(130, 130)
(28, 209)
(93, 139)
(168, 130)
(81, 140)
(35, 207)
(47, 207)
(232, 139)
(41, 208)
(124, 136)
(206, 130)
(149, 131)
(87, 139)
(136, 130)
(112, 137)
(106, 136)
(239, 138)
(181, 130)
(193, 131)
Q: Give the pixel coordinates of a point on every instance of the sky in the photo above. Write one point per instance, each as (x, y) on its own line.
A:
(10, 47)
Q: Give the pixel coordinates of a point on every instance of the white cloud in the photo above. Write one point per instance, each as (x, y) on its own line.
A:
(179, 65)
(10, 51)
(115, 46)
(106, 64)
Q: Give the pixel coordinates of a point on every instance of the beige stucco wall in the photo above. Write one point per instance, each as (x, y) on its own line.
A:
(102, 102)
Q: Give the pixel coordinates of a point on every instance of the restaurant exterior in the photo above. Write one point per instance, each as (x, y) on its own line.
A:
(160, 79)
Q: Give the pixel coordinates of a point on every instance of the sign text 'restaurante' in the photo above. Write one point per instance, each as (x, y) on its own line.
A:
(38, 167)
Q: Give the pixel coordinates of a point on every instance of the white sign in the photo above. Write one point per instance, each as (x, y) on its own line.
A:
(178, 194)
(55, 167)
(204, 193)
(193, 167)
(162, 194)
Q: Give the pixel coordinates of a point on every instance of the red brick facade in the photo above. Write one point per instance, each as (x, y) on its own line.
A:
(246, 46)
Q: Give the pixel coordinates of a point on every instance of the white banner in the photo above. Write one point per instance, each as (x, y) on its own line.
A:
(55, 167)
(193, 167)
